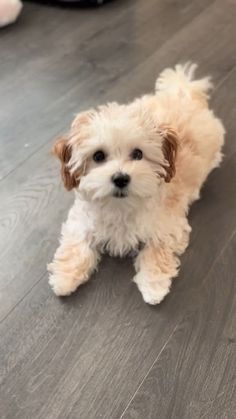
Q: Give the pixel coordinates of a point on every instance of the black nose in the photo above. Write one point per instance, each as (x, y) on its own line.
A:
(121, 180)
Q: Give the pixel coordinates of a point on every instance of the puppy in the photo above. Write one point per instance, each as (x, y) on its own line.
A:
(135, 170)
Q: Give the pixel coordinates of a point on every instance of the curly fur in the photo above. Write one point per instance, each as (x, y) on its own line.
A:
(181, 141)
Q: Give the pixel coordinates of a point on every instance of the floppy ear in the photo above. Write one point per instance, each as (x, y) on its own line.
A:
(63, 151)
(170, 148)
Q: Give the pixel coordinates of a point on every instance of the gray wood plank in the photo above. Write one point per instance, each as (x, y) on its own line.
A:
(58, 75)
(56, 352)
(194, 377)
(206, 40)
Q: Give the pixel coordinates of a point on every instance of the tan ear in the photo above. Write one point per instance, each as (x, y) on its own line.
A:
(170, 148)
(63, 151)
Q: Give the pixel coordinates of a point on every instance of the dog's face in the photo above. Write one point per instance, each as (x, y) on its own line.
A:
(117, 152)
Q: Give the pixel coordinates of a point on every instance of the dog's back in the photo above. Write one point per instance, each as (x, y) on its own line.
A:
(183, 103)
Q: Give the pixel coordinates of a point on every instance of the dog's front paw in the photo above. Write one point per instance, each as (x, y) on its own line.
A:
(62, 286)
(153, 289)
(72, 265)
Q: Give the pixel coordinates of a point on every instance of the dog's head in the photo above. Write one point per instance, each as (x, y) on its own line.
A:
(118, 152)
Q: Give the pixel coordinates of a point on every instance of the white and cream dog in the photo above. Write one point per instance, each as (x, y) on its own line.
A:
(136, 169)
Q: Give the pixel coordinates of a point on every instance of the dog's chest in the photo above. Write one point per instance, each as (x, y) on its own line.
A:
(119, 232)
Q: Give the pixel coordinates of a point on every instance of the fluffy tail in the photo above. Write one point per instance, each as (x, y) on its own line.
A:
(180, 81)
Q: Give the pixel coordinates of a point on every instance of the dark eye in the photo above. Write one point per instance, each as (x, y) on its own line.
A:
(99, 156)
(137, 154)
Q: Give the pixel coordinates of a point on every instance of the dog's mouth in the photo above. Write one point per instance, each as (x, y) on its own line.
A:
(120, 193)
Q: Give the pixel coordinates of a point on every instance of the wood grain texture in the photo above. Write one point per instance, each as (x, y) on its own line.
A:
(103, 353)
(87, 63)
(195, 375)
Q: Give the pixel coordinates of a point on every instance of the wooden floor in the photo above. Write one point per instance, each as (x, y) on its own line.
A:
(103, 353)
